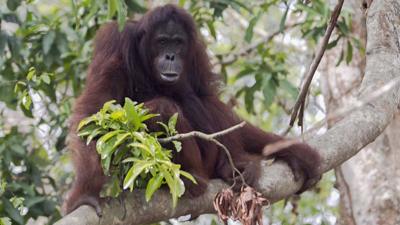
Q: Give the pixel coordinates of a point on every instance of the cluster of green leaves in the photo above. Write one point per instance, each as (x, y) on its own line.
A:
(84, 11)
(129, 153)
(263, 76)
(269, 73)
(205, 13)
(23, 184)
(34, 83)
(45, 49)
(44, 39)
(317, 14)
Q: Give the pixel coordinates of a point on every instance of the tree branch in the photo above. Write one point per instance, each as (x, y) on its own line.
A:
(337, 145)
(298, 108)
(201, 135)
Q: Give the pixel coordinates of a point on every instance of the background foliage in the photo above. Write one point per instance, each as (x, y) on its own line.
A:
(260, 48)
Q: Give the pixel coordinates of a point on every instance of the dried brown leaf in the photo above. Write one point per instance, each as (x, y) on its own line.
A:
(248, 206)
(223, 204)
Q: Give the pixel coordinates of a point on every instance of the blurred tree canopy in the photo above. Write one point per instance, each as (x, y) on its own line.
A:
(260, 48)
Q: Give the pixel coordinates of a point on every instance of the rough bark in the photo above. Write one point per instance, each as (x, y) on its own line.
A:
(373, 179)
(337, 145)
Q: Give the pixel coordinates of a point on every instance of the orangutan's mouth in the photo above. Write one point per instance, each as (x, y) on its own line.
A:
(169, 76)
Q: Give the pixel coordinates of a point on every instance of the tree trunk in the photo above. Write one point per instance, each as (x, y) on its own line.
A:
(369, 183)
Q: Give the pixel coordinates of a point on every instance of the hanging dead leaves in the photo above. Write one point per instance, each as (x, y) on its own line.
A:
(245, 206)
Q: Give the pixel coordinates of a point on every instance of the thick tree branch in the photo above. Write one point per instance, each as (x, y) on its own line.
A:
(337, 145)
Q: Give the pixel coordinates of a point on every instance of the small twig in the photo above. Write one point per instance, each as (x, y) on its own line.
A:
(299, 106)
(212, 138)
(234, 168)
(201, 134)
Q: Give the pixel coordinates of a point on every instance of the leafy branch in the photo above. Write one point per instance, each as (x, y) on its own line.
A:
(133, 156)
(130, 154)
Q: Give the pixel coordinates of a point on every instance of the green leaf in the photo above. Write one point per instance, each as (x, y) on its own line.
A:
(13, 4)
(269, 91)
(19, 86)
(101, 146)
(118, 115)
(343, 27)
(87, 130)
(211, 28)
(181, 3)
(134, 171)
(3, 41)
(27, 111)
(284, 17)
(107, 106)
(213, 222)
(48, 41)
(17, 201)
(86, 121)
(178, 145)
(248, 99)
(31, 73)
(105, 164)
(31, 201)
(172, 185)
(26, 100)
(172, 124)
(290, 88)
(130, 159)
(139, 136)
(121, 138)
(5, 221)
(122, 12)
(45, 78)
(340, 58)
(349, 55)
(112, 8)
(11, 211)
(3, 185)
(119, 154)
(134, 6)
(95, 133)
(246, 71)
(249, 31)
(153, 185)
(148, 116)
(165, 127)
(132, 114)
(333, 43)
(188, 176)
(180, 186)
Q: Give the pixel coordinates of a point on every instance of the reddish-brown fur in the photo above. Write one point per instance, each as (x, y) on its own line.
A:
(122, 67)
